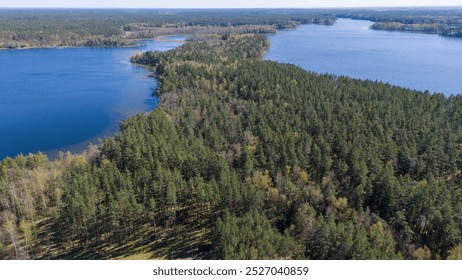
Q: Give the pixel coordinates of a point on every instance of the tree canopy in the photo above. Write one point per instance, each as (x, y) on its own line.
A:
(247, 159)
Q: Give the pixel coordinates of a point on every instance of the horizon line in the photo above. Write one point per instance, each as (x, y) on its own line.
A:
(235, 8)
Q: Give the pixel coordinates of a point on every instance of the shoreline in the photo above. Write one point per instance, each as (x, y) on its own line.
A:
(136, 43)
(110, 131)
(164, 38)
(67, 47)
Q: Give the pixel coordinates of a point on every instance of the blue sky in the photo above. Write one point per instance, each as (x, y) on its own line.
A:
(223, 4)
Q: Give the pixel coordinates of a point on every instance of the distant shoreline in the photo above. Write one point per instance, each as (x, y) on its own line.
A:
(136, 43)
(164, 38)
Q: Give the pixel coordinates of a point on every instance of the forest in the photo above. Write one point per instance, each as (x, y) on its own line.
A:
(249, 159)
(29, 28)
(442, 21)
(22, 28)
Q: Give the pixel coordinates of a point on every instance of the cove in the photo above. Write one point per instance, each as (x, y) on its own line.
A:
(350, 48)
(61, 99)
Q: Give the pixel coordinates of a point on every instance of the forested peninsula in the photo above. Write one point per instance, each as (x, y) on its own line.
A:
(249, 159)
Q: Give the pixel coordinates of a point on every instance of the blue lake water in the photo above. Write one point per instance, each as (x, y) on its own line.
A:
(350, 48)
(62, 99)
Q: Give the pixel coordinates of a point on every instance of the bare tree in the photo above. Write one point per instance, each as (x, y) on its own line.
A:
(9, 225)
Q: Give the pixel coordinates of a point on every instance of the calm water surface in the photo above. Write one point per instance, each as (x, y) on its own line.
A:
(349, 47)
(61, 99)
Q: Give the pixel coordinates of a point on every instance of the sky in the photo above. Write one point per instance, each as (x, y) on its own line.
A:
(224, 4)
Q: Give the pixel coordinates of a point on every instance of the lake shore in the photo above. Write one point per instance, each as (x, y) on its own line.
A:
(132, 44)
(423, 62)
(45, 93)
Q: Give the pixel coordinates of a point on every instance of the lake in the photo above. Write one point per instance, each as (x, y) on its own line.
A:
(63, 98)
(350, 48)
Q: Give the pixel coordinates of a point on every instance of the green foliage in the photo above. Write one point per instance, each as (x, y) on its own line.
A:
(250, 237)
(446, 22)
(264, 159)
(21, 28)
(365, 145)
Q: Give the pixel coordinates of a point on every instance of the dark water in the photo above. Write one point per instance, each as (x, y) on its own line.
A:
(61, 99)
(349, 47)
